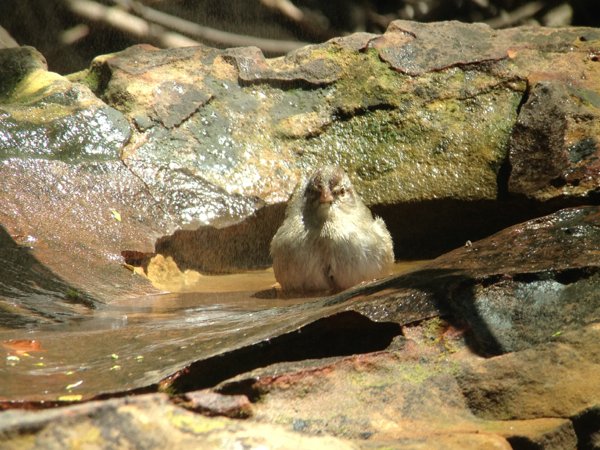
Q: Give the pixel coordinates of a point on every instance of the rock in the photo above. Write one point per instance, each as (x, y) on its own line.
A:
(550, 380)
(45, 116)
(188, 150)
(405, 397)
(192, 149)
(430, 375)
(214, 404)
(343, 82)
(425, 138)
(415, 49)
(144, 422)
(63, 235)
(539, 279)
(410, 133)
(236, 248)
(16, 64)
(297, 69)
(554, 145)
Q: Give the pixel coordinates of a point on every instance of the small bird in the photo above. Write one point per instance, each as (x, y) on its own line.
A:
(329, 240)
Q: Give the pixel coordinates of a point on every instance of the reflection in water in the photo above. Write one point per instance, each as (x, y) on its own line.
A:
(164, 274)
(133, 343)
(31, 294)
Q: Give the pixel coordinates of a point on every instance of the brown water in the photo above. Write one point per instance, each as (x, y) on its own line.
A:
(135, 342)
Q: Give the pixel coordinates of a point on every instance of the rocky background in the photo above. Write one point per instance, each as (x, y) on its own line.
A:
(477, 146)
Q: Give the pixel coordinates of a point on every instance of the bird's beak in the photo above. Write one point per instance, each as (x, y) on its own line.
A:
(326, 196)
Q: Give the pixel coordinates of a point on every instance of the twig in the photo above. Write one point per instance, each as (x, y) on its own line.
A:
(6, 40)
(381, 20)
(517, 15)
(214, 36)
(560, 16)
(312, 23)
(285, 7)
(127, 23)
(152, 24)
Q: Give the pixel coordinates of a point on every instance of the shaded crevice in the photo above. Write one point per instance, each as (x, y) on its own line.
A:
(343, 115)
(247, 387)
(501, 84)
(285, 84)
(213, 250)
(587, 429)
(480, 64)
(341, 334)
(429, 228)
(567, 276)
(524, 98)
(503, 177)
(505, 170)
(559, 438)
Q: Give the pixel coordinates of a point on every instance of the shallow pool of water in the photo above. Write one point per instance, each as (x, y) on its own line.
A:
(135, 342)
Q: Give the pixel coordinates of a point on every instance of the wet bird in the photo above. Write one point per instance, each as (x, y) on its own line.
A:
(329, 240)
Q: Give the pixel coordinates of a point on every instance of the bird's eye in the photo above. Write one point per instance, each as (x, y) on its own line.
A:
(312, 190)
(340, 191)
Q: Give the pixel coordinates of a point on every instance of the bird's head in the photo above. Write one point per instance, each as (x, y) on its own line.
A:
(327, 189)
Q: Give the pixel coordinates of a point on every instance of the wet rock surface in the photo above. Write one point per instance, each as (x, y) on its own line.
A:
(544, 280)
(554, 149)
(191, 153)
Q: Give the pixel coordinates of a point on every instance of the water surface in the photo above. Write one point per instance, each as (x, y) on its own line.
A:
(135, 342)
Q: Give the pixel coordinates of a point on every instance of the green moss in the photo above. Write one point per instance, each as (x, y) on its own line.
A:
(73, 295)
(192, 423)
(423, 145)
(433, 329)
(418, 372)
(89, 78)
(35, 86)
(367, 83)
(587, 97)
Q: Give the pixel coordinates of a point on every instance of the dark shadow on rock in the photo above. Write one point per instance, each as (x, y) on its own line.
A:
(420, 230)
(587, 428)
(427, 229)
(519, 288)
(360, 320)
(529, 283)
(344, 333)
(239, 247)
(432, 292)
(507, 313)
(31, 294)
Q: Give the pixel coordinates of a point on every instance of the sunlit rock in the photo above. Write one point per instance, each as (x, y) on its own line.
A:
(450, 132)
